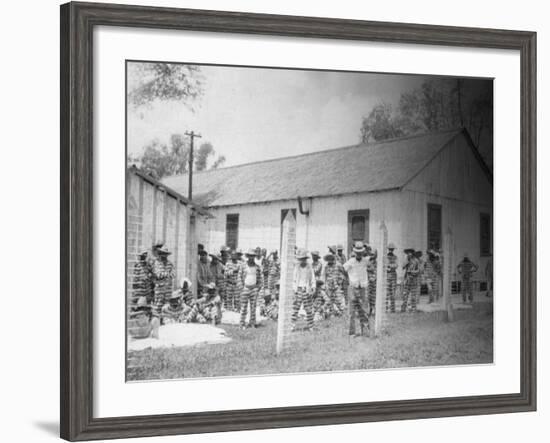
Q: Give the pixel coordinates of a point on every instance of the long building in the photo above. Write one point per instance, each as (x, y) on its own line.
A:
(419, 186)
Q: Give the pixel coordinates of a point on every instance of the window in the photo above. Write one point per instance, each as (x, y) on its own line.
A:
(232, 230)
(485, 234)
(284, 212)
(358, 227)
(434, 226)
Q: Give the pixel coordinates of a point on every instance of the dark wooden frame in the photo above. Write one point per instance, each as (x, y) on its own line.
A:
(77, 23)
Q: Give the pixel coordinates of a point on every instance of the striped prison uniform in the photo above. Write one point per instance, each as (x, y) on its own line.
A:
(204, 276)
(358, 277)
(431, 278)
(250, 282)
(333, 276)
(174, 314)
(371, 272)
(467, 268)
(317, 269)
(142, 284)
(391, 281)
(217, 270)
(274, 274)
(322, 307)
(232, 293)
(303, 285)
(163, 276)
(410, 284)
(206, 308)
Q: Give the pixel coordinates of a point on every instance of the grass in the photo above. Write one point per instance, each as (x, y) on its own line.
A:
(408, 340)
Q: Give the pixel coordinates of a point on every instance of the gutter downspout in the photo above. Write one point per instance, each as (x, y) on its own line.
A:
(306, 213)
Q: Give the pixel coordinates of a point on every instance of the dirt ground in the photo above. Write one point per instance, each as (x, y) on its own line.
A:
(408, 340)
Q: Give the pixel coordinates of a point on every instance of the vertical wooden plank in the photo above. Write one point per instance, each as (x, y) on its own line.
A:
(379, 310)
(177, 240)
(140, 212)
(447, 275)
(284, 323)
(164, 214)
(154, 225)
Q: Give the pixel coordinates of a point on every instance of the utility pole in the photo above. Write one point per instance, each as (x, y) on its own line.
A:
(192, 136)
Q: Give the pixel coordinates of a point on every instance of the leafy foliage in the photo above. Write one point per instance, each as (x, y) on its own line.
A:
(161, 160)
(438, 104)
(149, 82)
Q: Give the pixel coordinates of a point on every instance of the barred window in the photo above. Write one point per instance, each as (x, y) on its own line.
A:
(232, 230)
(485, 234)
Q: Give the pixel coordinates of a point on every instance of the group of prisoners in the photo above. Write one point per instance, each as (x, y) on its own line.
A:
(323, 286)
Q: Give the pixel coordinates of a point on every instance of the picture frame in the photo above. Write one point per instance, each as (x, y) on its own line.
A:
(78, 21)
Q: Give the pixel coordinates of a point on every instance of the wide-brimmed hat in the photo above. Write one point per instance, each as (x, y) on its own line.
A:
(251, 253)
(339, 248)
(203, 252)
(391, 246)
(332, 249)
(162, 249)
(175, 295)
(224, 249)
(408, 251)
(275, 252)
(239, 251)
(328, 257)
(185, 281)
(359, 247)
(143, 254)
(301, 254)
(315, 254)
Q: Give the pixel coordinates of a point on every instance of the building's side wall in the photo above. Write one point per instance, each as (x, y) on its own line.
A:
(456, 181)
(327, 223)
(162, 218)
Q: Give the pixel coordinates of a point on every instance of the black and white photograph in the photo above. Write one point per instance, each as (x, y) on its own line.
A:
(292, 221)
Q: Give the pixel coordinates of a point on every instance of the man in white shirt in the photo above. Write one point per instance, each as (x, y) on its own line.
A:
(250, 281)
(356, 267)
(303, 285)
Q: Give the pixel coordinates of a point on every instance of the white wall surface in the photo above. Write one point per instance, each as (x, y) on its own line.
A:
(29, 108)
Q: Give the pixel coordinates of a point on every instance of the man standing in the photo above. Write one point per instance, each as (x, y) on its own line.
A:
(232, 283)
(217, 271)
(316, 264)
(163, 276)
(356, 267)
(371, 271)
(391, 278)
(333, 276)
(467, 268)
(431, 275)
(340, 256)
(410, 280)
(303, 285)
(250, 282)
(143, 279)
(204, 274)
(274, 271)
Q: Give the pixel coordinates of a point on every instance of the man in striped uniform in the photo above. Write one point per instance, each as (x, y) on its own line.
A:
(421, 277)
(217, 270)
(391, 278)
(333, 276)
(303, 285)
(410, 280)
(371, 272)
(316, 264)
(232, 283)
(204, 273)
(432, 273)
(356, 267)
(274, 271)
(142, 279)
(163, 276)
(250, 281)
(466, 269)
(174, 310)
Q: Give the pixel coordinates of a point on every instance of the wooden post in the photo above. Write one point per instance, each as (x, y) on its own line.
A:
(286, 293)
(448, 251)
(381, 280)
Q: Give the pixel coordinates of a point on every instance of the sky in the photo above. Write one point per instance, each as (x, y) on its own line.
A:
(253, 114)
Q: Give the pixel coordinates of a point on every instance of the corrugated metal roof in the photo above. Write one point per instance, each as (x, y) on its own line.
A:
(360, 168)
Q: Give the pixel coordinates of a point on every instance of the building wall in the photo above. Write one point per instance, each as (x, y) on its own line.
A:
(155, 215)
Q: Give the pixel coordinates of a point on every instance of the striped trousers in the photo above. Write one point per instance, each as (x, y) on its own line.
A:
(357, 308)
(302, 296)
(335, 295)
(467, 290)
(372, 295)
(232, 295)
(411, 290)
(391, 284)
(248, 295)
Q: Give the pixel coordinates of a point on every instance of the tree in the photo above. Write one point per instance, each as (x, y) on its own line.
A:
(160, 160)
(149, 82)
(380, 124)
(438, 104)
